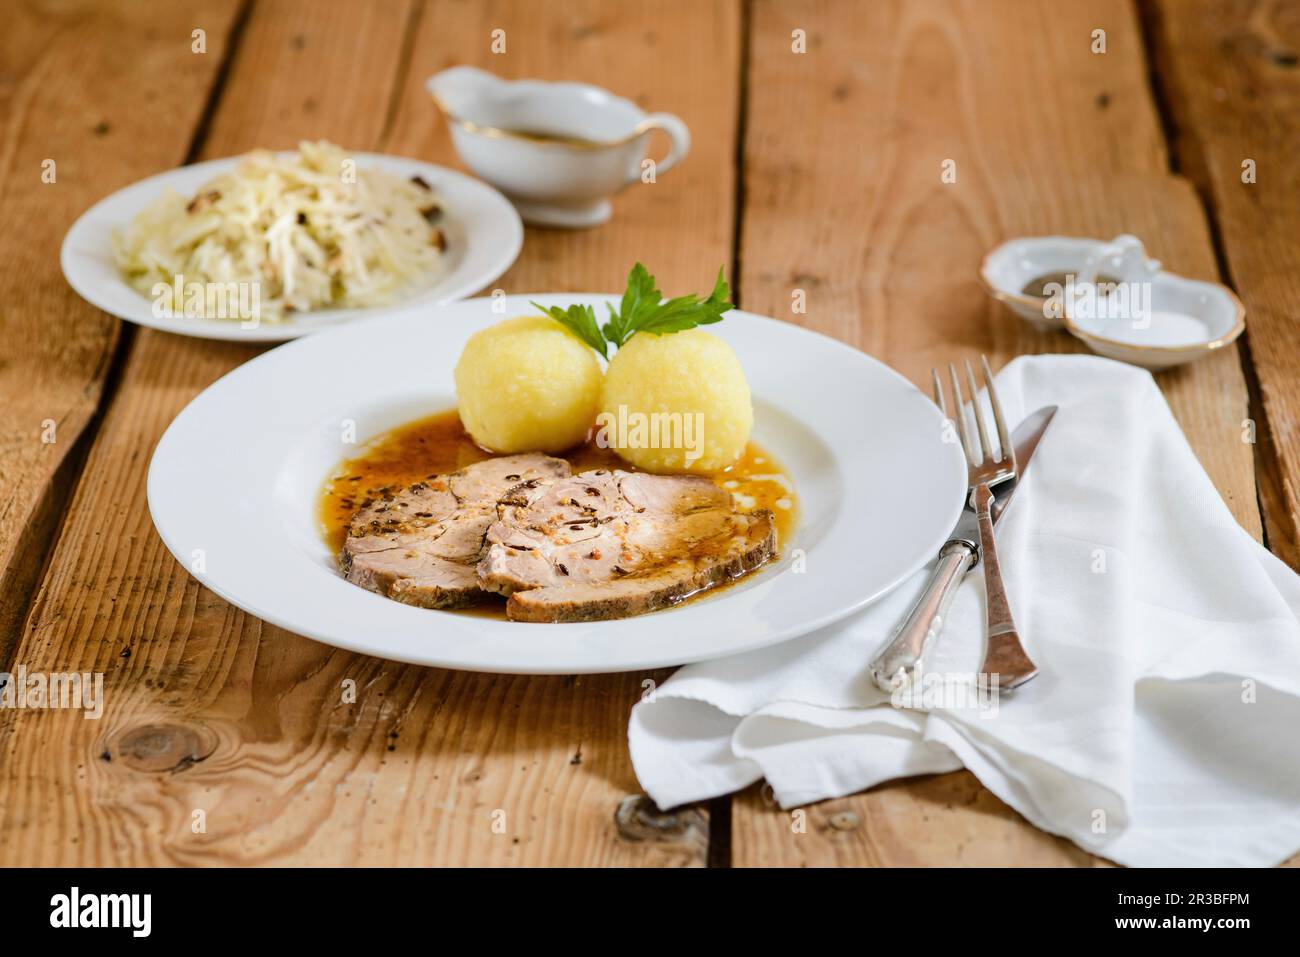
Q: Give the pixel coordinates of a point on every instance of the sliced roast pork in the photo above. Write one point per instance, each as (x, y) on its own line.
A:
(610, 544)
(421, 545)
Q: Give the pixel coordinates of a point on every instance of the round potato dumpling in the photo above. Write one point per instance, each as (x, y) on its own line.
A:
(676, 403)
(527, 385)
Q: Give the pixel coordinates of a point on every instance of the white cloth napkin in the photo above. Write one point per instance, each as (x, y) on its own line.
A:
(1164, 725)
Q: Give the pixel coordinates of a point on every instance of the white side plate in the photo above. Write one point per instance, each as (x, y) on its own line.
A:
(484, 236)
(236, 478)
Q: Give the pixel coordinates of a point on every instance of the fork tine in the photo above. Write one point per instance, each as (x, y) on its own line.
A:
(986, 448)
(1007, 450)
(938, 393)
(960, 416)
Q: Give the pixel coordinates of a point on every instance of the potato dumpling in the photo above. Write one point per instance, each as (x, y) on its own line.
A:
(676, 403)
(527, 385)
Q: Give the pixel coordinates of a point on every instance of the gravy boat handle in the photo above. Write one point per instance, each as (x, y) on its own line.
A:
(679, 139)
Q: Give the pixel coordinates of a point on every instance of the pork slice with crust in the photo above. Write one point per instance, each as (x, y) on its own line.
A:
(610, 544)
(421, 544)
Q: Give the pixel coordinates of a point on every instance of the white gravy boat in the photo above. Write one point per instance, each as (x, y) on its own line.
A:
(558, 150)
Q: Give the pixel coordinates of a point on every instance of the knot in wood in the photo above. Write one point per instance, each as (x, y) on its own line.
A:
(638, 819)
(160, 748)
(845, 821)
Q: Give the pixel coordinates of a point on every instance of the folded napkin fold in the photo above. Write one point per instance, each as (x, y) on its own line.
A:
(1162, 727)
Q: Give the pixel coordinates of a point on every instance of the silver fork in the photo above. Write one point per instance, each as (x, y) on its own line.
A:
(1005, 655)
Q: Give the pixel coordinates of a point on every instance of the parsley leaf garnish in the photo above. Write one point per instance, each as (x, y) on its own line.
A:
(643, 309)
(639, 301)
(581, 321)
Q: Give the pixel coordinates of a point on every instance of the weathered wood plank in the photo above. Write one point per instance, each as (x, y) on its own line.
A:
(85, 86)
(844, 199)
(216, 711)
(1228, 72)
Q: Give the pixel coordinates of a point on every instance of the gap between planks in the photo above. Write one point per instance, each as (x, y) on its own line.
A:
(1279, 531)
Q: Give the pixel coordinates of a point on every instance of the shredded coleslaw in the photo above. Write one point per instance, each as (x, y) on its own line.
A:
(310, 230)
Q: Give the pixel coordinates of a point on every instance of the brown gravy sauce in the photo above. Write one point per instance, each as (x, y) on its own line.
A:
(439, 444)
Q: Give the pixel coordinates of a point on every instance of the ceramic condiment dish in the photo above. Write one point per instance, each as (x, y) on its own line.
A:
(1113, 297)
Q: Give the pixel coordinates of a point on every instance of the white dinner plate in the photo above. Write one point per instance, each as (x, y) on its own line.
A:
(484, 236)
(235, 482)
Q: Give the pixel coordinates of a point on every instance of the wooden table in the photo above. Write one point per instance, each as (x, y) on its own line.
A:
(817, 171)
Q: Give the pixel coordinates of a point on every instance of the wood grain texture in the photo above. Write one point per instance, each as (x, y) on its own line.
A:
(1230, 75)
(93, 96)
(948, 820)
(844, 200)
(211, 710)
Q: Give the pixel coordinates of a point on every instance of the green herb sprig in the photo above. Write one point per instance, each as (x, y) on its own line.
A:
(581, 321)
(643, 309)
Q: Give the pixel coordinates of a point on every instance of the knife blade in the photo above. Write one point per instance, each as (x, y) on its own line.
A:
(957, 556)
(1025, 437)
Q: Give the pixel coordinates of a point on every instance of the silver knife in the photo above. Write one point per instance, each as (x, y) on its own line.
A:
(956, 557)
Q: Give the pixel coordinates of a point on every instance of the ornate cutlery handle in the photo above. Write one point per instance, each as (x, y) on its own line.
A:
(1005, 656)
(926, 619)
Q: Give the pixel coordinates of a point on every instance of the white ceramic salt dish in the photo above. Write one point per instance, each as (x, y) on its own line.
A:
(1149, 317)
(559, 151)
